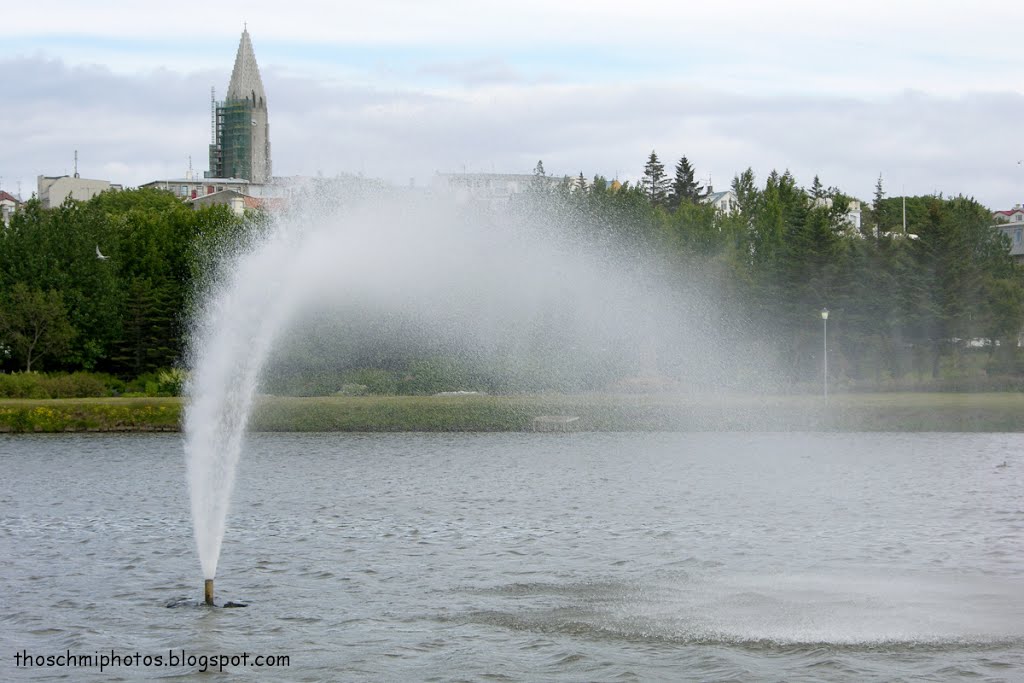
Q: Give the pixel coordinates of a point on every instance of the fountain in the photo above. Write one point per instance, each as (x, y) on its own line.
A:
(473, 283)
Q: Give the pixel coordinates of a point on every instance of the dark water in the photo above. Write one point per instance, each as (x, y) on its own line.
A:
(522, 557)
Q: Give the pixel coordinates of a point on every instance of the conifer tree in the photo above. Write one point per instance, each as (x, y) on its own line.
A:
(539, 183)
(655, 183)
(684, 187)
(817, 190)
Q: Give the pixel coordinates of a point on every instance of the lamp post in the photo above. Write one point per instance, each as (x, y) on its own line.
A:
(824, 339)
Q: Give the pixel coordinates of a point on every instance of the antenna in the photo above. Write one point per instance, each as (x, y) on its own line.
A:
(76, 163)
(904, 209)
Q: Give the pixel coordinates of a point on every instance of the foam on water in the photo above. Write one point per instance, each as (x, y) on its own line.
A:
(807, 611)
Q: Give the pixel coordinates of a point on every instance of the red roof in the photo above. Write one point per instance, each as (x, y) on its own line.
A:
(8, 196)
(1010, 212)
(268, 203)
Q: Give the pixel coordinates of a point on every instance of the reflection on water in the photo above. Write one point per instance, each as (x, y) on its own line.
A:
(531, 557)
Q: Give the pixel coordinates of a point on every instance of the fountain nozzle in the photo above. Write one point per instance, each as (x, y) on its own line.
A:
(208, 591)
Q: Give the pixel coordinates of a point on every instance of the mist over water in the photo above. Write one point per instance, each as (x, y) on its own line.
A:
(531, 297)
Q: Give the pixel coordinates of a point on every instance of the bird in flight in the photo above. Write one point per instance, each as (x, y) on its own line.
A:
(100, 255)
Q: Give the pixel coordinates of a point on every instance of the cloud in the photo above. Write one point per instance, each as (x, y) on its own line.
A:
(485, 115)
(475, 72)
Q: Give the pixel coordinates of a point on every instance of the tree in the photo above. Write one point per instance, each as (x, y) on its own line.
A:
(539, 183)
(817, 190)
(581, 183)
(55, 249)
(34, 324)
(655, 183)
(684, 187)
(879, 211)
(744, 185)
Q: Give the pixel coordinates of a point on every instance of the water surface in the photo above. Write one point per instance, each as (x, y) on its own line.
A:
(521, 557)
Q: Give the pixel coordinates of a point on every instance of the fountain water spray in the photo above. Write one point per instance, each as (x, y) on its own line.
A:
(477, 284)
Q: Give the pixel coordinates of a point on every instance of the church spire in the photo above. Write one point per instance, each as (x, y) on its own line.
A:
(241, 146)
(245, 77)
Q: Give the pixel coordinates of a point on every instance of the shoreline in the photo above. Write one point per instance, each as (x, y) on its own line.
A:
(909, 412)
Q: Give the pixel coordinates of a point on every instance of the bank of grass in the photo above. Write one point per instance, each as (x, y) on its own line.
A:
(90, 415)
(944, 412)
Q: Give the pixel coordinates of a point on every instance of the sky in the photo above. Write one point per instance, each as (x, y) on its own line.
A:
(928, 95)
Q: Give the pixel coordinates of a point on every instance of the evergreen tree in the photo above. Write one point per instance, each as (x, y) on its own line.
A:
(817, 190)
(879, 215)
(684, 187)
(745, 188)
(655, 183)
(539, 183)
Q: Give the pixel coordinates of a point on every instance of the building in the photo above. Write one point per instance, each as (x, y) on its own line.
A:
(192, 188)
(8, 205)
(238, 202)
(53, 190)
(489, 187)
(722, 201)
(854, 213)
(1011, 222)
(1014, 215)
(240, 145)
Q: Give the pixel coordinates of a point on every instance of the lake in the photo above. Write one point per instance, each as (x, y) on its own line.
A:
(524, 557)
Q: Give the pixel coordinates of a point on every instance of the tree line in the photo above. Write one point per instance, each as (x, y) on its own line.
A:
(107, 285)
(928, 291)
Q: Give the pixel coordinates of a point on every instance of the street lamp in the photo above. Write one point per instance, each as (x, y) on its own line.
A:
(824, 338)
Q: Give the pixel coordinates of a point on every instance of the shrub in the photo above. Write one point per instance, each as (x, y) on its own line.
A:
(58, 385)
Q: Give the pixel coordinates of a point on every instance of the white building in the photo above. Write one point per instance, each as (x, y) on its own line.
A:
(8, 205)
(53, 190)
(853, 216)
(1011, 222)
(193, 188)
(722, 201)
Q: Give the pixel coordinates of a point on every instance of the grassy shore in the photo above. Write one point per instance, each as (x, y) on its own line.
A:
(1002, 412)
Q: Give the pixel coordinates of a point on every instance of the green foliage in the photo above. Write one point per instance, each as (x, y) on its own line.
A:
(655, 184)
(34, 324)
(908, 306)
(376, 381)
(115, 415)
(685, 190)
(57, 385)
(127, 310)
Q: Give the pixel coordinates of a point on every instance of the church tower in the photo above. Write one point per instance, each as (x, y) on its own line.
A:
(241, 133)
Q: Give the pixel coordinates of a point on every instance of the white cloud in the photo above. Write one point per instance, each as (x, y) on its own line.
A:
(926, 96)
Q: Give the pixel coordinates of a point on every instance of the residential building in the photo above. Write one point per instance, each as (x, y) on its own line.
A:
(1011, 222)
(8, 205)
(192, 188)
(237, 201)
(854, 213)
(53, 190)
(240, 145)
(723, 201)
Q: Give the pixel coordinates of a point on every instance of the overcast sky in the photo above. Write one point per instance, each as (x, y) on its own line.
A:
(928, 94)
